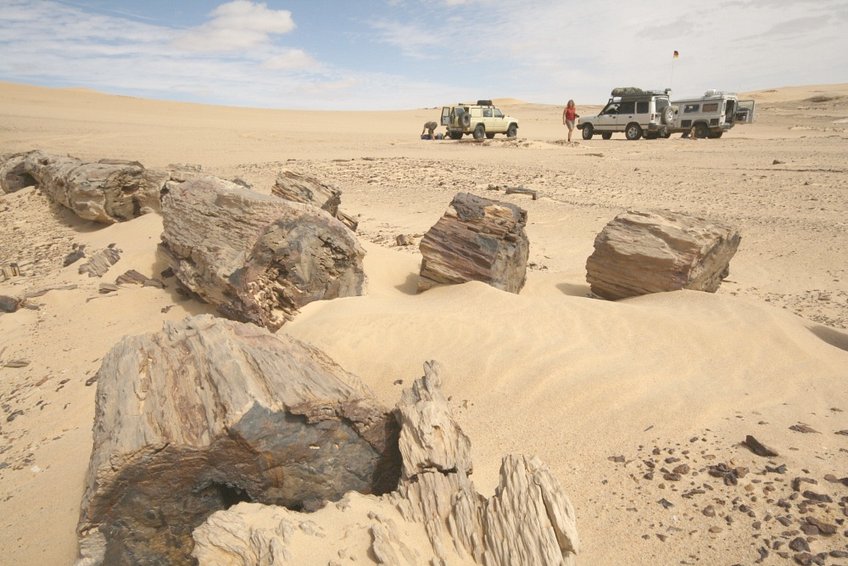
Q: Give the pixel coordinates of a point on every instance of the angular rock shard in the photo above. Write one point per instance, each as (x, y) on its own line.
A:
(651, 252)
(529, 520)
(107, 191)
(477, 239)
(209, 412)
(257, 258)
(306, 189)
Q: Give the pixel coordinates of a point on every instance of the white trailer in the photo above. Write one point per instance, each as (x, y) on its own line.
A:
(711, 115)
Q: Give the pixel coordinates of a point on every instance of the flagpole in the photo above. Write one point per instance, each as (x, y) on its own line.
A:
(674, 56)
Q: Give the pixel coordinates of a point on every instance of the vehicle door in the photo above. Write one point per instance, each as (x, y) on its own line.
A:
(446, 112)
(626, 114)
(499, 124)
(744, 113)
(605, 121)
(488, 118)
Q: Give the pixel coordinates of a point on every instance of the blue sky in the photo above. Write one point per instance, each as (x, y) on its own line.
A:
(398, 54)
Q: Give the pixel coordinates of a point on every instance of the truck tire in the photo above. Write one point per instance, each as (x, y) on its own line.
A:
(512, 131)
(479, 132)
(633, 131)
(455, 135)
(588, 130)
(490, 135)
(465, 119)
(701, 130)
(715, 135)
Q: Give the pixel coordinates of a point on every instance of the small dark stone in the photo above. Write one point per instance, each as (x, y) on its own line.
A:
(618, 459)
(818, 497)
(823, 528)
(804, 428)
(781, 469)
(759, 448)
(665, 503)
(9, 304)
(799, 544)
(167, 273)
(682, 469)
(839, 553)
(75, 255)
(709, 511)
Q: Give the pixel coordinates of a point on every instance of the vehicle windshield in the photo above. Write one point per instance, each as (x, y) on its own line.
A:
(611, 108)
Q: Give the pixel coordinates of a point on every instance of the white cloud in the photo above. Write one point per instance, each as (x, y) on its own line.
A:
(291, 59)
(235, 26)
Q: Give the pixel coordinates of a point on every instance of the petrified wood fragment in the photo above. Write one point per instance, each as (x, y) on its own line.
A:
(306, 189)
(650, 252)
(209, 412)
(477, 239)
(13, 173)
(528, 520)
(107, 191)
(256, 257)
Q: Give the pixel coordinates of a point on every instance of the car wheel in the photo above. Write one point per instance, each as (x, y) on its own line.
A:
(701, 130)
(490, 135)
(588, 130)
(606, 135)
(715, 135)
(465, 119)
(479, 132)
(456, 135)
(633, 131)
(512, 131)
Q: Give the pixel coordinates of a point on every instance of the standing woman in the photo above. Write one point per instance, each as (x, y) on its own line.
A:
(569, 117)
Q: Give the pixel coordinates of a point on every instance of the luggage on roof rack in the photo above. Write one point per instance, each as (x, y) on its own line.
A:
(484, 103)
(626, 91)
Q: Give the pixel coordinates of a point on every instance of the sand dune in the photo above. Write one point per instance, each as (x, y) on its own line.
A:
(597, 389)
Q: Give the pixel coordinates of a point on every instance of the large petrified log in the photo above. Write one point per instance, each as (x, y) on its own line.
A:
(107, 191)
(651, 252)
(529, 520)
(209, 412)
(477, 239)
(256, 257)
(306, 189)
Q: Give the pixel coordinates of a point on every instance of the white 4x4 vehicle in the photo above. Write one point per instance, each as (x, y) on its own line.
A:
(481, 120)
(635, 112)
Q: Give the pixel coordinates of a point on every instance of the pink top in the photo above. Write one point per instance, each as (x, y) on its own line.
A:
(570, 113)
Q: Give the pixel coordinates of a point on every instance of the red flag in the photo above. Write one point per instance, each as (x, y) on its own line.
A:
(676, 54)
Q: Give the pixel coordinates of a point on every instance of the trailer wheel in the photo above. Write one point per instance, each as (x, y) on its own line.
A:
(588, 130)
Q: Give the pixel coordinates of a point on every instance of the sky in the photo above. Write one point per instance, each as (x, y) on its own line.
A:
(402, 54)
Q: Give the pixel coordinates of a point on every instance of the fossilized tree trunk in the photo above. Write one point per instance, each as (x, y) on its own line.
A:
(306, 189)
(107, 191)
(477, 239)
(209, 412)
(256, 257)
(650, 252)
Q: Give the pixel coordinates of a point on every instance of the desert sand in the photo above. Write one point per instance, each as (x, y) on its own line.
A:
(603, 392)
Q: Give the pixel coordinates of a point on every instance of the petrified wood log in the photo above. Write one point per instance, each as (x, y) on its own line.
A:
(477, 239)
(258, 258)
(209, 412)
(306, 189)
(651, 252)
(107, 191)
(529, 520)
